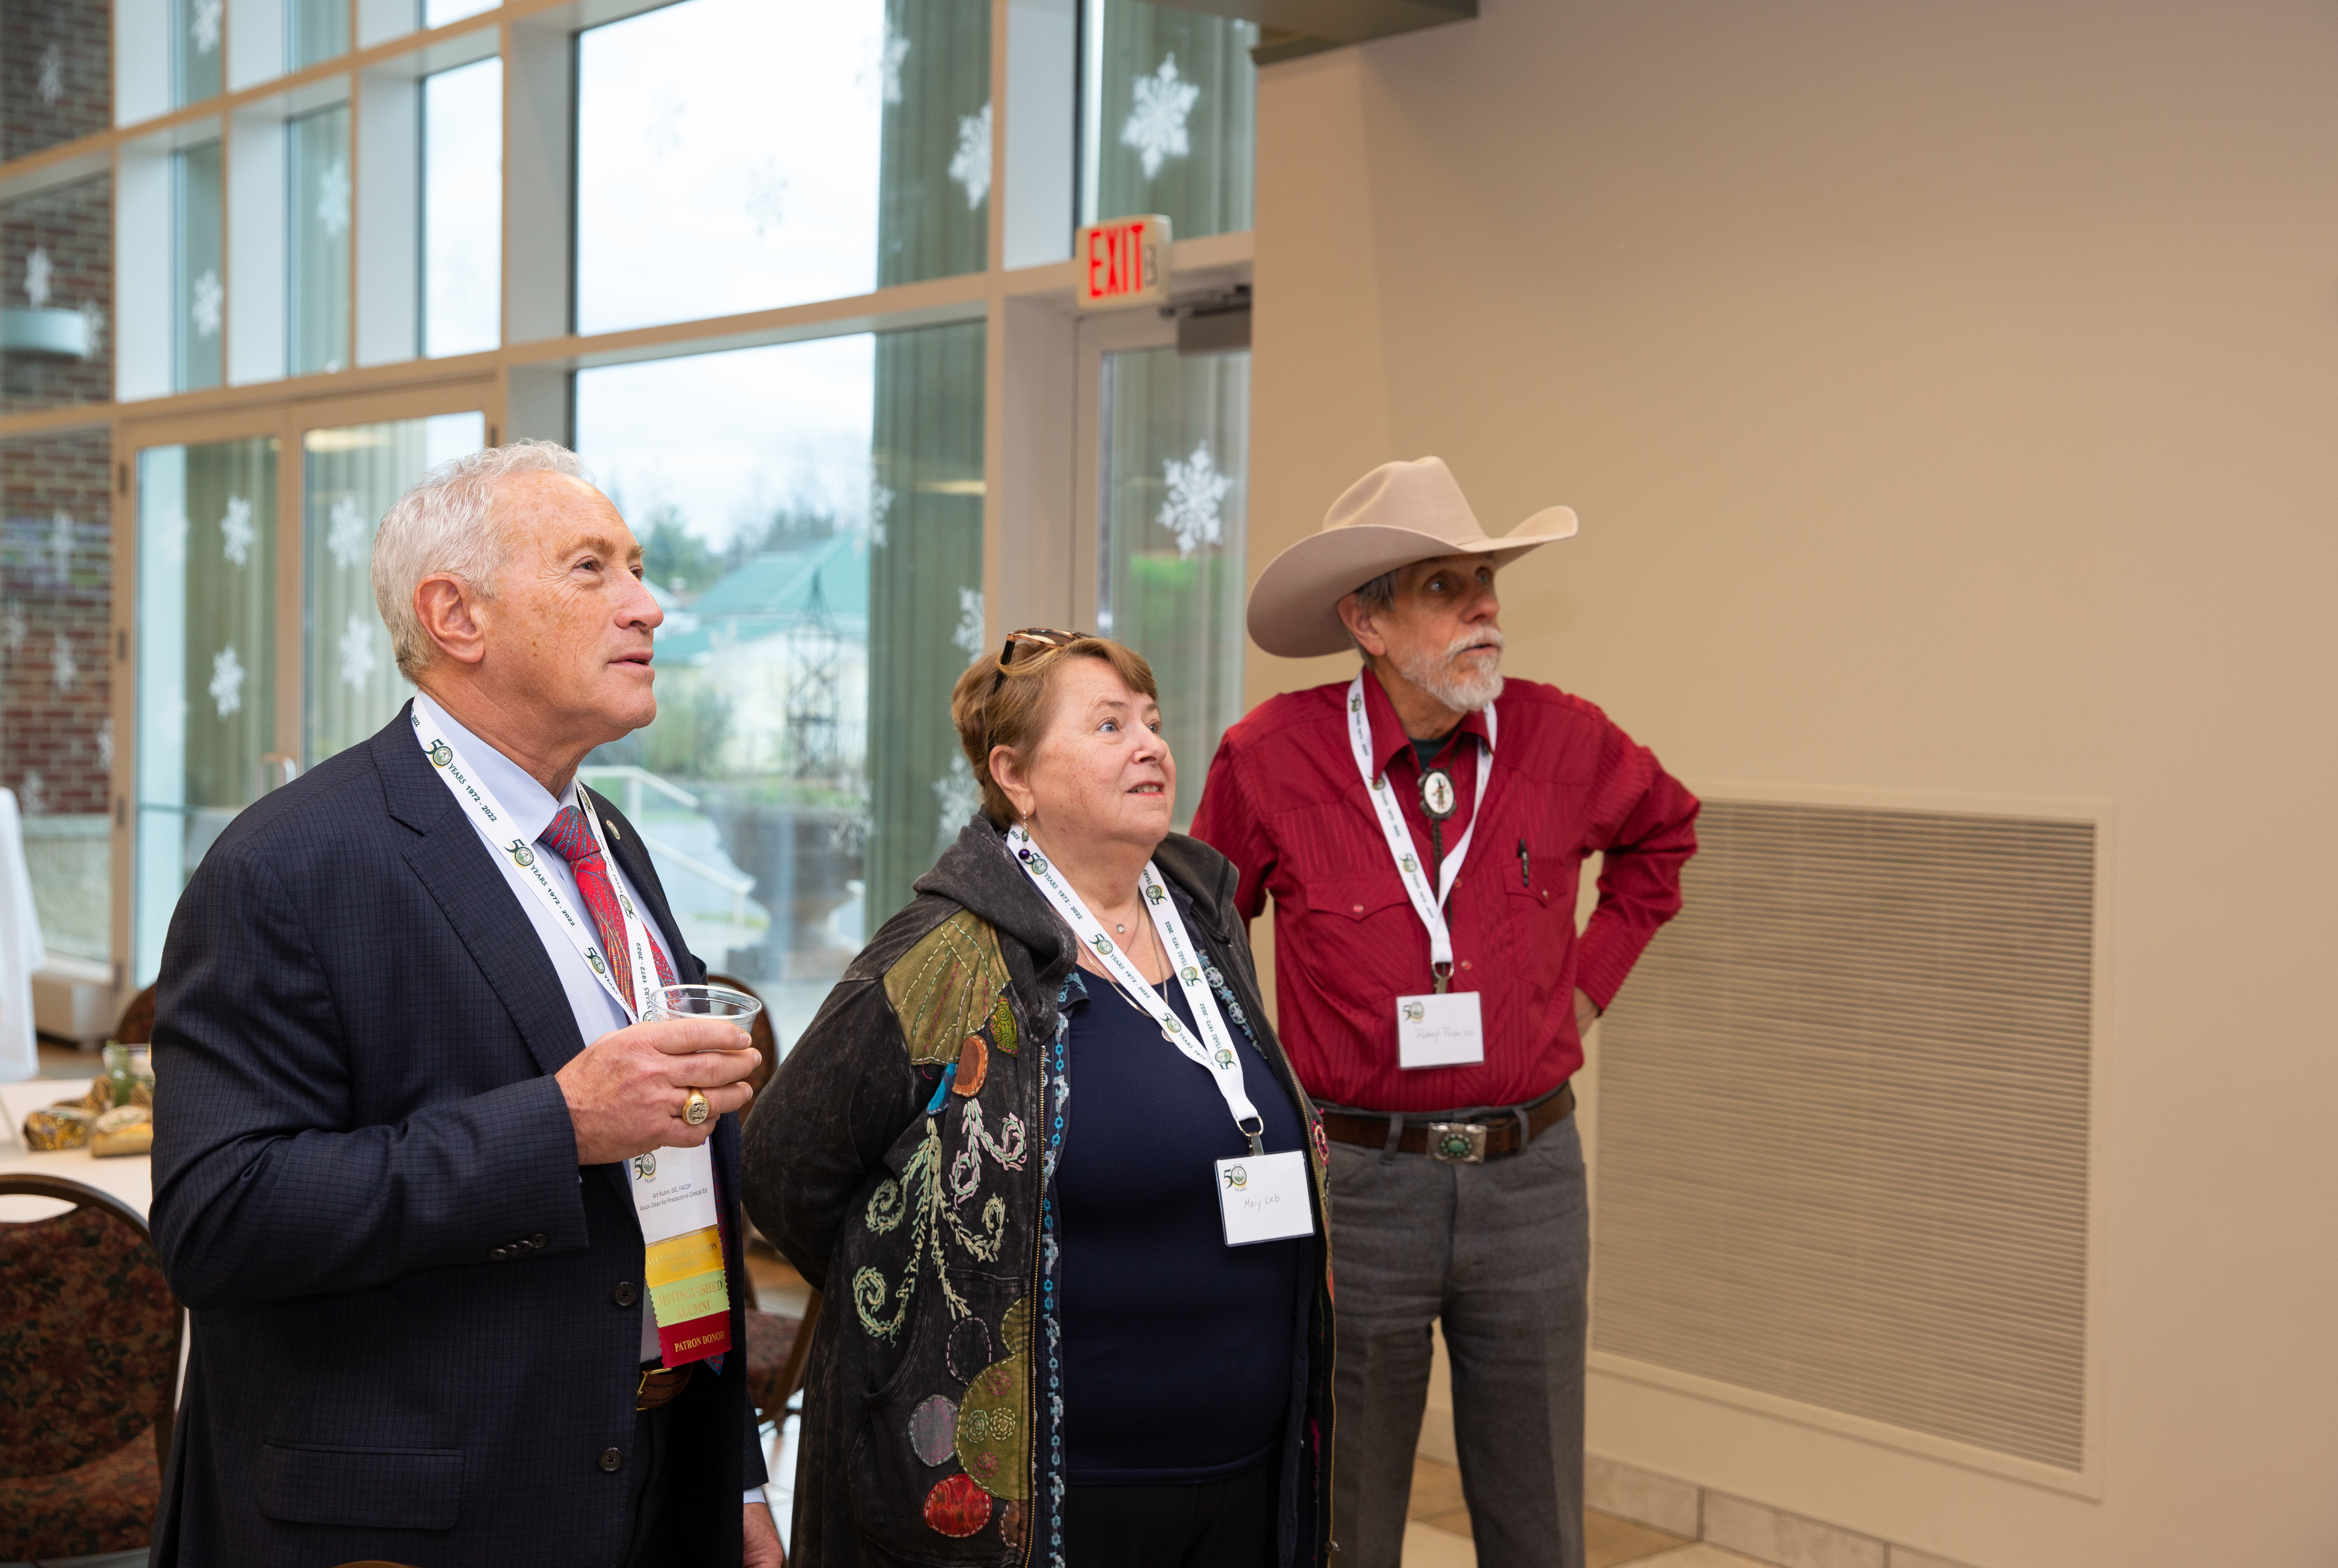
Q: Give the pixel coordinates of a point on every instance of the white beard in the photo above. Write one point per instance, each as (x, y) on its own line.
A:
(1463, 688)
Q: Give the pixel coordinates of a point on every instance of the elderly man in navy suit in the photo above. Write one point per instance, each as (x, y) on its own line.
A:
(413, 1137)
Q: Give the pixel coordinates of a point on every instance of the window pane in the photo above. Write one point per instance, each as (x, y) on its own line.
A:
(319, 228)
(737, 155)
(206, 660)
(351, 476)
(1177, 476)
(1172, 104)
(57, 250)
(812, 519)
(197, 266)
(321, 30)
(197, 29)
(438, 13)
(462, 208)
(57, 729)
(54, 73)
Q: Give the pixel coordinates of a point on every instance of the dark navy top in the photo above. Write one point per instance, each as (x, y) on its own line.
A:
(1177, 1348)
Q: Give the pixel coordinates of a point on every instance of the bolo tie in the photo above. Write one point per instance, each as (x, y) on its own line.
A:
(1436, 803)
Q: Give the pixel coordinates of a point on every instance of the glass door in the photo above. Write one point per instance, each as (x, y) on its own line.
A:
(207, 668)
(259, 650)
(1164, 456)
(350, 476)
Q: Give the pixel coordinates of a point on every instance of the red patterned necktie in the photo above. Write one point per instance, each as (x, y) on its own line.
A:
(567, 838)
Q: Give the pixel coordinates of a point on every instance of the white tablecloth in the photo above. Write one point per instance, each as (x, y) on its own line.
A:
(128, 1177)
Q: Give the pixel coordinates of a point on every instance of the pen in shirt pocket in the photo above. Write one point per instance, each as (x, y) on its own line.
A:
(1526, 876)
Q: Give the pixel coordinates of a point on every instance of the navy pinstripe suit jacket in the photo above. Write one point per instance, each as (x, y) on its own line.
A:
(355, 1039)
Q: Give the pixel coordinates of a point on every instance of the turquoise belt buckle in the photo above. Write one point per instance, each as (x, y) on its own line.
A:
(1457, 1142)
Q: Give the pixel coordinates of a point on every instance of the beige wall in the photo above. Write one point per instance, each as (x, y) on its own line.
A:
(1950, 394)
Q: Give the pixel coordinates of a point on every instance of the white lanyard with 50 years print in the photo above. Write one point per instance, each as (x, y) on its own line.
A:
(1443, 1029)
(1262, 1196)
(673, 1190)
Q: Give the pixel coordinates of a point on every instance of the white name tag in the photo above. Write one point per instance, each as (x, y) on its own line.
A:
(1439, 1031)
(1263, 1197)
(673, 1191)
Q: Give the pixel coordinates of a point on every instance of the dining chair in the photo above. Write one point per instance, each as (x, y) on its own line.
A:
(89, 1372)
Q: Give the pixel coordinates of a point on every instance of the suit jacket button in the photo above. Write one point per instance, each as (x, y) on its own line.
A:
(497, 1256)
(613, 1460)
(536, 1240)
(625, 1295)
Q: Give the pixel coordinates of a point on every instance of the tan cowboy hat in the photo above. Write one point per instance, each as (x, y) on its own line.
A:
(1398, 514)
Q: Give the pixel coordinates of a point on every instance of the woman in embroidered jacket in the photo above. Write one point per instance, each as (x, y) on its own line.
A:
(1037, 1346)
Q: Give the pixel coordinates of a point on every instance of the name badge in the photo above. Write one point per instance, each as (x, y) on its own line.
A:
(1263, 1197)
(1439, 1031)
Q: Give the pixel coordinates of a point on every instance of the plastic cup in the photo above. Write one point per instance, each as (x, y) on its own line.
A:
(717, 1001)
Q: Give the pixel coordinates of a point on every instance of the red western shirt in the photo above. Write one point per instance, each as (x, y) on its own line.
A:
(1285, 803)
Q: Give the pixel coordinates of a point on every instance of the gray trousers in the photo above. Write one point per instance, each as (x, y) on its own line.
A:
(1500, 1252)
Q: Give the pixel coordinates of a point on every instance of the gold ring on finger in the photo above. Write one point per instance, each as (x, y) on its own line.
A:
(695, 1110)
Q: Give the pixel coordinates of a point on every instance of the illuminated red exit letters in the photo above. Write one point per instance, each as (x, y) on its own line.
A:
(1124, 261)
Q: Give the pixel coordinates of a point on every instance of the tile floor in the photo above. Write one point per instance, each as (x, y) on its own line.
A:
(1437, 1535)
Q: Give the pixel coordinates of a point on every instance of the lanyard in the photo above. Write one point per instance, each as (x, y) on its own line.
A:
(1427, 903)
(1215, 1054)
(474, 795)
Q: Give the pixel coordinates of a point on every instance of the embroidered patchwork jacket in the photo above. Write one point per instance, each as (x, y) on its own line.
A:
(903, 1159)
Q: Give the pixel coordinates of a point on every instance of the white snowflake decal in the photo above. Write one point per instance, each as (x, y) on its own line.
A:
(209, 298)
(236, 532)
(106, 745)
(53, 73)
(358, 661)
(227, 681)
(61, 667)
(37, 272)
(37, 793)
(93, 321)
(896, 49)
(766, 197)
(12, 626)
(957, 797)
(1155, 126)
(1196, 491)
(61, 545)
(205, 26)
(969, 636)
(880, 507)
(333, 198)
(971, 166)
(347, 535)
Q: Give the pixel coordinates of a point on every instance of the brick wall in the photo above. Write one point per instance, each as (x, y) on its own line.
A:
(72, 227)
(56, 606)
(53, 81)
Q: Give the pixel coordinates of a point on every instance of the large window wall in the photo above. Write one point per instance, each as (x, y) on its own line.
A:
(794, 279)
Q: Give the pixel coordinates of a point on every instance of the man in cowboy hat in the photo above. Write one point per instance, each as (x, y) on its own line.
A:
(1420, 839)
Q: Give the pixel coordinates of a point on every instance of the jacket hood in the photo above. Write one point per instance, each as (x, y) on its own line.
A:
(977, 874)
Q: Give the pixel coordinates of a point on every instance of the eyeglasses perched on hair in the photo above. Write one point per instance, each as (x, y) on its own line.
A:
(1041, 638)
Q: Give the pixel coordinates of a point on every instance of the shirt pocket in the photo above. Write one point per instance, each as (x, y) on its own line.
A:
(1360, 932)
(1539, 918)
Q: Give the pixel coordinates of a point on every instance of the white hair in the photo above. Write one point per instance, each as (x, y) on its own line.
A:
(445, 524)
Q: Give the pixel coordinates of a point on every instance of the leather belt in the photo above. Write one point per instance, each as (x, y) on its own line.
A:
(661, 1385)
(1454, 1142)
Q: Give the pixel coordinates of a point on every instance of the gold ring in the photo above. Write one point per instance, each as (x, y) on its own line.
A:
(695, 1110)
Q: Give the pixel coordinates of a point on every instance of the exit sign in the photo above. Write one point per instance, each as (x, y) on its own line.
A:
(1124, 261)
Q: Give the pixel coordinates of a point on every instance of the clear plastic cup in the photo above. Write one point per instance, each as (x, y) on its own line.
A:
(719, 1001)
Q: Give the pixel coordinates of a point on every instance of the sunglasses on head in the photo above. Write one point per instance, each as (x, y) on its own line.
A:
(1039, 638)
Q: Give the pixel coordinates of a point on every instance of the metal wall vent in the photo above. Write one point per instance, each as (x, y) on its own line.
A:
(1842, 1123)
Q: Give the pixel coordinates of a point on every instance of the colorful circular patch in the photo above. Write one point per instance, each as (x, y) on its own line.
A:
(957, 1506)
(993, 1428)
(933, 1429)
(1014, 1326)
(968, 1350)
(1012, 1518)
